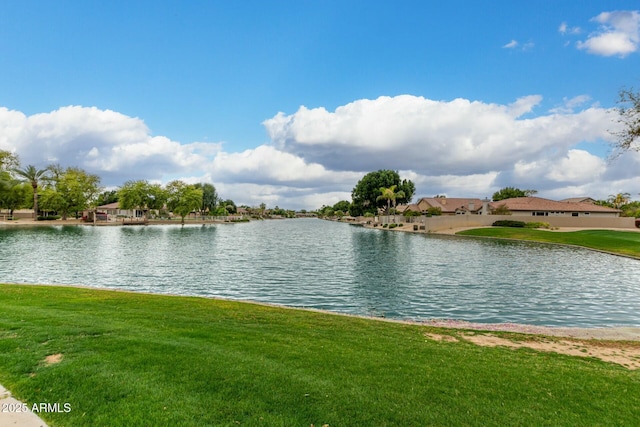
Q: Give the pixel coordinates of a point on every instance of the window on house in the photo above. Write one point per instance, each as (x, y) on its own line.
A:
(574, 213)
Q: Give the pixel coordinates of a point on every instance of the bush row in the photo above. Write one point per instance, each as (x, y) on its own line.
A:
(520, 224)
(48, 218)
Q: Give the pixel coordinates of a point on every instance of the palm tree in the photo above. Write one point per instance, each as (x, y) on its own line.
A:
(390, 195)
(619, 199)
(32, 175)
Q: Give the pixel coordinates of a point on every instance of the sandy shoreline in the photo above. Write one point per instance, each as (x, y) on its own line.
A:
(613, 333)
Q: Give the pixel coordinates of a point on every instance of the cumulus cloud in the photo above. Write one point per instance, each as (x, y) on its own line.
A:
(566, 29)
(117, 148)
(430, 137)
(104, 142)
(511, 45)
(459, 147)
(315, 157)
(618, 34)
(267, 164)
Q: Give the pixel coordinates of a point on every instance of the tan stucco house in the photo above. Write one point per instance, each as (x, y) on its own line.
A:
(537, 206)
(523, 206)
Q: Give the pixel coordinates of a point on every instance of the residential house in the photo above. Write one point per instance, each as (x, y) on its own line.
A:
(448, 205)
(537, 206)
(579, 200)
(111, 211)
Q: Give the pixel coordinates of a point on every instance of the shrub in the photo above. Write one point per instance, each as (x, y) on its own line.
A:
(411, 213)
(537, 225)
(508, 223)
(384, 225)
(48, 218)
(393, 225)
(434, 211)
(501, 210)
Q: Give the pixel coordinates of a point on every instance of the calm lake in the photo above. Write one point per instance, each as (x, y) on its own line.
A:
(338, 267)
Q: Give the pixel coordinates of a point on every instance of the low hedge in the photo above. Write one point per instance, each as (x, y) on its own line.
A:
(509, 223)
(48, 218)
(537, 225)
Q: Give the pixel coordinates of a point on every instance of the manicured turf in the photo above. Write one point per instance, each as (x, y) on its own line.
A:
(134, 359)
(621, 242)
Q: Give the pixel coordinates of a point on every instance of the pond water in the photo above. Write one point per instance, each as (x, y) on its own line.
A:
(337, 267)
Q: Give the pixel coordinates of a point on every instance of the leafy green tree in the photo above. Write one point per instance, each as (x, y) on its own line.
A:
(501, 210)
(182, 198)
(434, 211)
(512, 192)
(50, 200)
(409, 213)
(365, 195)
(33, 176)
(342, 205)
(141, 195)
(8, 161)
(618, 200)
(390, 195)
(210, 198)
(631, 209)
(156, 197)
(13, 193)
(71, 190)
(133, 195)
(229, 206)
(107, 197)
(629, 117)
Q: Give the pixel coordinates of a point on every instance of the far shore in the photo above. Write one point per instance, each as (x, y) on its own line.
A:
(25, 222)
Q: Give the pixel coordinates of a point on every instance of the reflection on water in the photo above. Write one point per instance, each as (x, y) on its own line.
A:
(338, 267)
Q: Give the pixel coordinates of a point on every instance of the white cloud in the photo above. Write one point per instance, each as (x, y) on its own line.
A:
(575, 167)
(430, 137)
(565, 29)
(265, 163)
(570, 104)
(514, 44)
(104, 142)
(459, 148)
(618, 34)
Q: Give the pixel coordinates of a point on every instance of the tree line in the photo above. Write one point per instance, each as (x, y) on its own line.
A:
(70, 191)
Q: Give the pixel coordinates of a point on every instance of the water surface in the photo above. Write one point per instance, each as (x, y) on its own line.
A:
(337, 267)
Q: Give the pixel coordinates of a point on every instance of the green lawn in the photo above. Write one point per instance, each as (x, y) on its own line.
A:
(135, 359)
(620, 242)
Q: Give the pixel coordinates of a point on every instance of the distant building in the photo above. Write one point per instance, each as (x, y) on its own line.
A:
(529, 206)
(537, 206)
(448, 205)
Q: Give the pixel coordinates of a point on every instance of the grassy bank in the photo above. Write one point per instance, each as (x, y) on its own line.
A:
(132, 359)
(620, 242)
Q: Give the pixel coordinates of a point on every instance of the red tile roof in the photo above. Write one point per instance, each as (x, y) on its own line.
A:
(451, 204)
(540, 204)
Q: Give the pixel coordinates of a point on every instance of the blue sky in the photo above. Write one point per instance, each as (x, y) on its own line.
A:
(291, 102)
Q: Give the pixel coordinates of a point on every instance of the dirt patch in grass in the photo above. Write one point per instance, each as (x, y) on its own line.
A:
(52, 359)
(623, 353)
(441, 338)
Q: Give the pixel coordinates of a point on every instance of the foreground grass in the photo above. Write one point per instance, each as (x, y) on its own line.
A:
(133, 359)
(620, 242)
